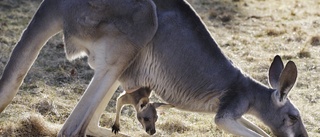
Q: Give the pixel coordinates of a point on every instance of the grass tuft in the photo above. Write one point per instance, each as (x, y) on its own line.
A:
(31, 125)
(315, 41)
(174, 125)
(275, 32)
(304, 54)
(46, 106)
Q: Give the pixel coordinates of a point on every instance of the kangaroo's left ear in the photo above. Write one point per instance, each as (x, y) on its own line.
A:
(287, 79)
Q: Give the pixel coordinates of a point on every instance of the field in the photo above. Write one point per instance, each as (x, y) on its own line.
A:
(250, 33)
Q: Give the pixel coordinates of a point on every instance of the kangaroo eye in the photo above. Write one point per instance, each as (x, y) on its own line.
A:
(293, 117)
(146, 119)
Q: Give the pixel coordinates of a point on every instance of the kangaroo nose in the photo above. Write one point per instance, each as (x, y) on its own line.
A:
(303, 135)
(151, 131)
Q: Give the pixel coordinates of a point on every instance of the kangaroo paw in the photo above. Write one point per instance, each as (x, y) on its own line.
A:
(115, 129)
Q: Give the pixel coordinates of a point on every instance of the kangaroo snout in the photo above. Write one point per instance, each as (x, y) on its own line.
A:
(303, 135)
(151, 131)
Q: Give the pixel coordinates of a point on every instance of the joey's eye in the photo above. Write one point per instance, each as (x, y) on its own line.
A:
(293, 117)
(146, 119)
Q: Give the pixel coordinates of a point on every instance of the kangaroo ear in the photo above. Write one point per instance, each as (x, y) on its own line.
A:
(287, 79)
(162, 105)
(275, 71)
(143, 102)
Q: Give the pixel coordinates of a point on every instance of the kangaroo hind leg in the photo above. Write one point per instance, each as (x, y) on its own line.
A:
(45, 23)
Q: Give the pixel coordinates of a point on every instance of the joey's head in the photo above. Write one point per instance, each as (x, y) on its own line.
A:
(281, 115)
(147, 116)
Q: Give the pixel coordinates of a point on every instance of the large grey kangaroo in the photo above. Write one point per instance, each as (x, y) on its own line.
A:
(160, 44)
(146, 111)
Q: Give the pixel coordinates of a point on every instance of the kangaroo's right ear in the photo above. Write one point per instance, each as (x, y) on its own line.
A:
(275, 71)
(162, 105)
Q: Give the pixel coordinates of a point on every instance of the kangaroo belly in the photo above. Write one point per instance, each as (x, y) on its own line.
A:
(185, 88)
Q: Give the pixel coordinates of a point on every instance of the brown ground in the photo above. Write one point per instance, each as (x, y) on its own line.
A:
(250, 32)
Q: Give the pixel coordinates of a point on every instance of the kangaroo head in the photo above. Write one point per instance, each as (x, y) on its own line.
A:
(147, 115)
(283, 117)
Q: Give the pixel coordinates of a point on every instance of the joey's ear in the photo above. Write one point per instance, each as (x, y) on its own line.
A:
(162, 105)
(143, 102)
(275, 71)
(287, 79)
(137, 19)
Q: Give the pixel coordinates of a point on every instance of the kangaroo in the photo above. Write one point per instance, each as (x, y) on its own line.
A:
(159, 44)
(146, 112)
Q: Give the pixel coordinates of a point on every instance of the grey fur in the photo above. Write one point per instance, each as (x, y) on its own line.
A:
(160, 44)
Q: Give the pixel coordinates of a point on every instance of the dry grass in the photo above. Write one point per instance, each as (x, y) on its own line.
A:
(31, 125)
(250, 32)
